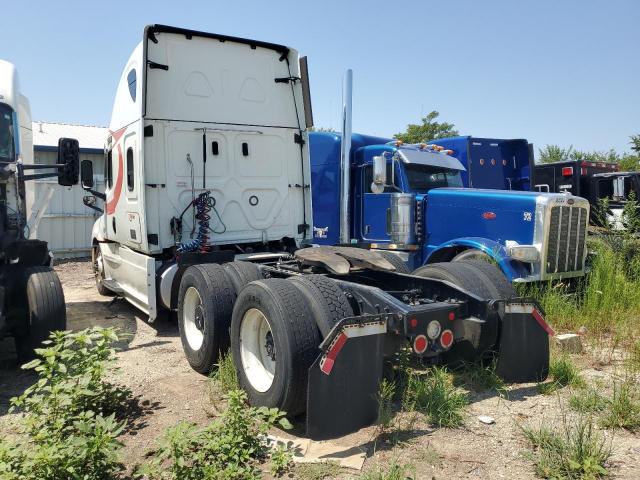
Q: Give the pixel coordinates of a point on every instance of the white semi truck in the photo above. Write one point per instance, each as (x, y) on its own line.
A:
(208, 214)
(31, 297)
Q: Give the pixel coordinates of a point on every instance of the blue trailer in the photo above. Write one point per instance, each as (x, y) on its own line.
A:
(492, 162)
(423, 213)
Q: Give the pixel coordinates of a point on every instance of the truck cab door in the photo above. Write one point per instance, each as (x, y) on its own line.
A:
(374, 206)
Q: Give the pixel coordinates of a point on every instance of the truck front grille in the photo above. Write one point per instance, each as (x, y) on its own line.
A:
(567, 238)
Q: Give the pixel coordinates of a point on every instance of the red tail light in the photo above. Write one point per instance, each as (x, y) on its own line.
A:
(446, 339)
(567, 171)
(420, 344)
(488, 215)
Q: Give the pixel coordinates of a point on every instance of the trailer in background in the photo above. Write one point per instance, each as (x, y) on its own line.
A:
(492, 162)
(602, 184)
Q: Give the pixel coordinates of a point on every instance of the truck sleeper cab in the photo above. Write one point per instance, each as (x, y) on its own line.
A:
(207, 214)
(531, 236)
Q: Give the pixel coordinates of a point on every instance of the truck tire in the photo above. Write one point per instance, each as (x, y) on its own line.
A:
(395, 260)
(45, 309)
(205, 303)
(241, 273)
(274, 341)
(327, 302)
(477, 280)
(98, 271)
(503, 286)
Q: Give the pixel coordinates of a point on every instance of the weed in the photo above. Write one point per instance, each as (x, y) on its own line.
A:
(564, 373)
(575, 451)
(69, 425)
(386, 394)
(224, 376)
(281, 460)
(606, 300)
(588, 401)
(482, 378)
(231, 447)
(623, 409)
(434, 395)
(394, 471)
(317, 471)
(633, 361)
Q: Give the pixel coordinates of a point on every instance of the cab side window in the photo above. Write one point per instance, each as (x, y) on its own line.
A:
(130, 172)
(131, 81)
(108, 166)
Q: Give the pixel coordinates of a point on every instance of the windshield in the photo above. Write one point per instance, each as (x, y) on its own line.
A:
(423, 178)
(7, 152)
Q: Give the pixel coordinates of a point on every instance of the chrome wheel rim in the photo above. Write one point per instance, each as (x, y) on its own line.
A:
(193, 318)
(257, 350)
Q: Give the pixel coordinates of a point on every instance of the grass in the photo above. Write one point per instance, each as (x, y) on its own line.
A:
(588, 401)
(434, 395)
(394, 471)
(575, 450)
(633, 362)
(606, 300)
(224, 376)
(316, 471)
(386, 395)
(564, 373)
(623, 409)
(481, 378)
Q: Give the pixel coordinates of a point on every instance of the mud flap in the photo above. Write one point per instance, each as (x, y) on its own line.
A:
(344, 379)
(523, 348)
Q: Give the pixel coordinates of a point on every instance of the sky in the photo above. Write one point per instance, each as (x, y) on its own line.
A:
(555, 72)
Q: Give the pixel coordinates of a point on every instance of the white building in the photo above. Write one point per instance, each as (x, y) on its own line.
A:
(66, 224)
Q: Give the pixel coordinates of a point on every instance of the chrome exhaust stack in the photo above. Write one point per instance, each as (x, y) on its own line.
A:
(345, 157)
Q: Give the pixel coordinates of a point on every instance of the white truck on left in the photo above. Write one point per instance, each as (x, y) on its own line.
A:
(31, 298)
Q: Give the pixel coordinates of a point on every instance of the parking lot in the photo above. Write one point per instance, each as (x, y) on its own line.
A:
(152, 365)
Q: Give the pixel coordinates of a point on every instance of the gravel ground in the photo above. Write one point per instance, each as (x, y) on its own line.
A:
(153, 366)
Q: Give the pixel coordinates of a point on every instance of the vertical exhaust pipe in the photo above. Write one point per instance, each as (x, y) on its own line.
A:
(345, 158)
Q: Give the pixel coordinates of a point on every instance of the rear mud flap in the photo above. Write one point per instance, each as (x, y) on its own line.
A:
(523, 348)
(344, 379)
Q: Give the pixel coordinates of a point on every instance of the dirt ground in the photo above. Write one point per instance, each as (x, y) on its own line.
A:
(153, 366)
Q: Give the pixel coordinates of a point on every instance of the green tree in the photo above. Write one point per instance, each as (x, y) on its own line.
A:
(554, 153)
(430, 129)
(635, 143)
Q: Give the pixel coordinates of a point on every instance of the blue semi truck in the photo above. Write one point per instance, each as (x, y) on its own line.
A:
(492, 162)
(410, 201)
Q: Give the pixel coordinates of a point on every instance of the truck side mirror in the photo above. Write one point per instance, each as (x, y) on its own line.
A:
(379, 174)
(68, 160)
(86, 174)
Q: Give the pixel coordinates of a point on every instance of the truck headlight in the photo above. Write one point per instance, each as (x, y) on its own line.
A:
(523, 253)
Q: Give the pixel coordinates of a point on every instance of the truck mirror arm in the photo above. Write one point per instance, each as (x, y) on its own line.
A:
(101, 196)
